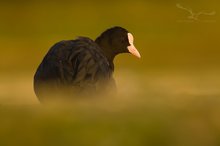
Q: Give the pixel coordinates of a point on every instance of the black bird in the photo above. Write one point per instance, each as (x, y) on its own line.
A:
(82, 66)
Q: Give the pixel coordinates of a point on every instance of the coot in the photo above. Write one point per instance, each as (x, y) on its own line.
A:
(82, 66)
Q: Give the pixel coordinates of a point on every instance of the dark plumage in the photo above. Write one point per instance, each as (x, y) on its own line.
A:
(82, 66)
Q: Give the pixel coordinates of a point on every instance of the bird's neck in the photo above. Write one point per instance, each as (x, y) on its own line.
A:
(107, 51)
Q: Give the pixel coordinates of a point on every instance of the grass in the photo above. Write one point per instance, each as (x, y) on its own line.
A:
(153, 108)
(151, 123)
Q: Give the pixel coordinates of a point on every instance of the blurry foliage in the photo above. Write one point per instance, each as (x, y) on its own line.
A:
(140, 123)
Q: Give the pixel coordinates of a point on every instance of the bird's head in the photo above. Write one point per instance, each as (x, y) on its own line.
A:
(117, 40)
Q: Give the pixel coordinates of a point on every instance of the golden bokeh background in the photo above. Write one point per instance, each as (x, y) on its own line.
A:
(168, 97)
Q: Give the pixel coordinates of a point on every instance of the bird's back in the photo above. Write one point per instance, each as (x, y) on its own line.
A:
(74, 67)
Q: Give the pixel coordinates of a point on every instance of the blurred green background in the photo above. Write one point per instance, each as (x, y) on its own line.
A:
(168, 97)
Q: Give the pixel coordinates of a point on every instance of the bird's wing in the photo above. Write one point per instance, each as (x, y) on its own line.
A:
(76, 64)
